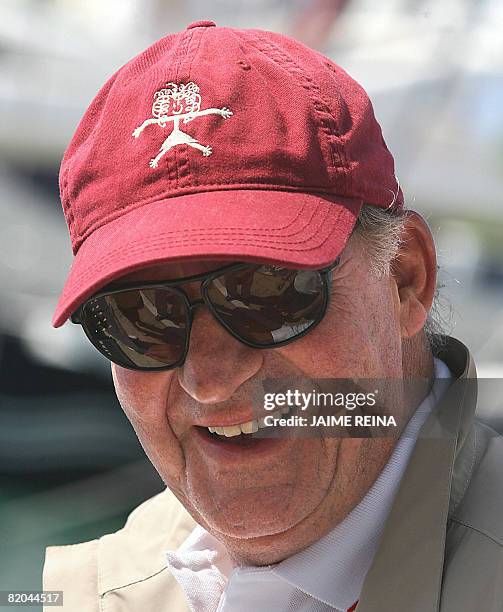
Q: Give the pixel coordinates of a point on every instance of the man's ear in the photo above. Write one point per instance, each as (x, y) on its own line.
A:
(414, 272)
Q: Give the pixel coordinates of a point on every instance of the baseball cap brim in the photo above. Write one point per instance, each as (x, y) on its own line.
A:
(284, 228)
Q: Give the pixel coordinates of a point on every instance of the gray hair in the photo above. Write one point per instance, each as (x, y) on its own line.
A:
(380, 232)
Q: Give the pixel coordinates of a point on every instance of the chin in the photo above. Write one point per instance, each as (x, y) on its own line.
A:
(253, 513)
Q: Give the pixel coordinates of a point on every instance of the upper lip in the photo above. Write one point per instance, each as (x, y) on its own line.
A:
(228, 420)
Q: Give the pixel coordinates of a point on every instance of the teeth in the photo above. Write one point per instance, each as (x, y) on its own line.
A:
(248, 427)
(233, 430)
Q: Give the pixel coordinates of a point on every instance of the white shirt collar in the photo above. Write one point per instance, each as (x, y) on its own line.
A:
(330, 571)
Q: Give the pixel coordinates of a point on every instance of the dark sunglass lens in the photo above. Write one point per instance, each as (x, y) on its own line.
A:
(267, 305)
(143, 328)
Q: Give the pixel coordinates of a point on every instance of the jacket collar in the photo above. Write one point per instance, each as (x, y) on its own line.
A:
(135, 553)
(406, 573)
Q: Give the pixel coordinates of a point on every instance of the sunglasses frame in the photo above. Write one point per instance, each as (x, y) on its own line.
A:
(206, 278)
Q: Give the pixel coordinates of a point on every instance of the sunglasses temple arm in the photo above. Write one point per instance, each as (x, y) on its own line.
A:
(331, 266)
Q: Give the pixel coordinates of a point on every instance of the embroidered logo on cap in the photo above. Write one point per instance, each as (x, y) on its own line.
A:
(183, 101)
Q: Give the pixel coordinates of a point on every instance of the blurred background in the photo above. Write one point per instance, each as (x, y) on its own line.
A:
(70, 465)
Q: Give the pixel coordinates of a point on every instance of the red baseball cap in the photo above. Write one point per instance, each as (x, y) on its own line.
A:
(220, 143)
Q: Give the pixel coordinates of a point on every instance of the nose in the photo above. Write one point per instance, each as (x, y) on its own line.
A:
(217, 364)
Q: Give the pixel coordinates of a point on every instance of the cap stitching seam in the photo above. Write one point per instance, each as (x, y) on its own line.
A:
(189, 191)
(186, 158)
(311, 88)
(185, 43)
(243, 231)
(159, 238)
(66, 202)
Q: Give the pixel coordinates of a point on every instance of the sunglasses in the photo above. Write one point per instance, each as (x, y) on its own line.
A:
(146, 326)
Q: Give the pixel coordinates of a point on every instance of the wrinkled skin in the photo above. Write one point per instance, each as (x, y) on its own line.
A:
(266, 510)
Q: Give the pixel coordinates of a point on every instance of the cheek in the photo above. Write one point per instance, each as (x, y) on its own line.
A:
(358, 337)
(142, 396)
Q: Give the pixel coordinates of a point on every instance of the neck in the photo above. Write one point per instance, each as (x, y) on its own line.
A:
(417, 364)
(417, 357)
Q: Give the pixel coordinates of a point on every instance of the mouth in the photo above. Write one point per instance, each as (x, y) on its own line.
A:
(240, 438)
(247, 428)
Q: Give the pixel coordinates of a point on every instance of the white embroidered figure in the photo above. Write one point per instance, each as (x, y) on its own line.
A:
(184, 102)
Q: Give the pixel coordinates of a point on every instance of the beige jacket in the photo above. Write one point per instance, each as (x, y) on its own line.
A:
(442, 547)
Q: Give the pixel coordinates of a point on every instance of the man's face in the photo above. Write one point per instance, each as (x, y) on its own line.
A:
(266, 503)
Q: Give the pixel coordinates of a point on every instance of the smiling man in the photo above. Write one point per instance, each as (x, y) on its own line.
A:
(235, 218)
